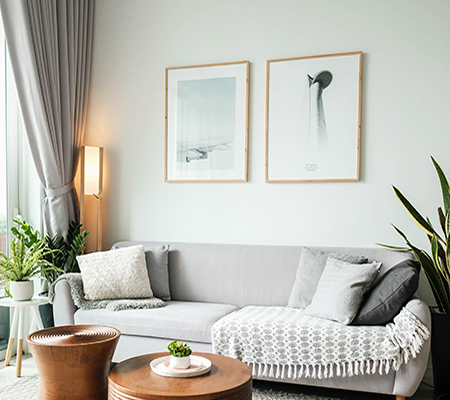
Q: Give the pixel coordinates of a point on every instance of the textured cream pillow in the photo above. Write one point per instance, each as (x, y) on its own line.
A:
(115, 274)
(341, 289)
(310, 268)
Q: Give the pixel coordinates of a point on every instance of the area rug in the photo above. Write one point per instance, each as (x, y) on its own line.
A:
(27, 389)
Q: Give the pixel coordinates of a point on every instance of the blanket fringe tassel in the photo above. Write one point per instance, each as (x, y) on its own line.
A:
(282, 371)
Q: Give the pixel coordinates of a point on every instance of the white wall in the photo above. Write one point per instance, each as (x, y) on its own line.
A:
(405, 110)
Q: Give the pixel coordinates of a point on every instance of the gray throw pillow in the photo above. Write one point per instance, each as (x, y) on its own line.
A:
(341, 289)
(309, 270)
(384, 301)
(157, 259)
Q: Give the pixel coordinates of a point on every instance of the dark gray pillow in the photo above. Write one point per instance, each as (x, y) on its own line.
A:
(384, 301)
(157, 259)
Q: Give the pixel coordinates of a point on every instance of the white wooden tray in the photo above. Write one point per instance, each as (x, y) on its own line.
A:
(199, 366)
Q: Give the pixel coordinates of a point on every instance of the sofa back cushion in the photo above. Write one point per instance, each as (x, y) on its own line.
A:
(245, 274)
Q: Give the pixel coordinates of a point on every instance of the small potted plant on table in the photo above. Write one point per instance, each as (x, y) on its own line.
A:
(179, 354)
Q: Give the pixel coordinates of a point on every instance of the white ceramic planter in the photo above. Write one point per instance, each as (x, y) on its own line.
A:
(180, 362)
(21, 290)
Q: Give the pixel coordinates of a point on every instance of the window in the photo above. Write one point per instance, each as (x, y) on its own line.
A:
(4, 311)
(3, 181)
(20, 188)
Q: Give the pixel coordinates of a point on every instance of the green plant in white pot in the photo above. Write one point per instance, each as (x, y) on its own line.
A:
(26, 261)
(179, 354)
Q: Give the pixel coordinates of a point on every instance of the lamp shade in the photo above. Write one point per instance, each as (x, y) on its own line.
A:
(91, 170)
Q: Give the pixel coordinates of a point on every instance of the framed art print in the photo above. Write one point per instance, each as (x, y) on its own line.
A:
(207, 123)
(313, 108)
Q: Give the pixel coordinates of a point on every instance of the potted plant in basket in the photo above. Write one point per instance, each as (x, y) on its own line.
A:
(179, 354)
(27, 260)
(436, 265)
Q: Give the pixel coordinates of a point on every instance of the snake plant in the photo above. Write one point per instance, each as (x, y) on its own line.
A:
(436, 262)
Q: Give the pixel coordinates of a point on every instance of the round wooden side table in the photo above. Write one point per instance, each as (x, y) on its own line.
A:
(73, 361)
(133, 379)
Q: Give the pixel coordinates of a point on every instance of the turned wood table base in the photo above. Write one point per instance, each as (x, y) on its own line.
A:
(133, 379)
(73, 361)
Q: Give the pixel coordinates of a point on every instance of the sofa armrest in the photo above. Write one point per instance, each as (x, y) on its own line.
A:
(414, 370)
(63, 305)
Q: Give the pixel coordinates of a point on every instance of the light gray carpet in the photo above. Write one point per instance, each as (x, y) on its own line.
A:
(27, 389)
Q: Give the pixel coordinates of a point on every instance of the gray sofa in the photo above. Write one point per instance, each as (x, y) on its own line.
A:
(209, 281)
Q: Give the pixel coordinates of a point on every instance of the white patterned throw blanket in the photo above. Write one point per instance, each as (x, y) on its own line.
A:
(281, 341)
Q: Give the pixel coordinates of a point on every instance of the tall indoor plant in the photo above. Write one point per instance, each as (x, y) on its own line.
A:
(436, 265)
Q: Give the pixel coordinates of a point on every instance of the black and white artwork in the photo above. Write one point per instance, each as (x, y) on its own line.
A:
(313, 118)
(207, 122)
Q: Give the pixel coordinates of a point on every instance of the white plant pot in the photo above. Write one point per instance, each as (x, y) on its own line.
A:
(180, 362)
(21, 290)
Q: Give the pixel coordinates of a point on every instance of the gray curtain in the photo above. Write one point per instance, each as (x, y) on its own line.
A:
(50, 45)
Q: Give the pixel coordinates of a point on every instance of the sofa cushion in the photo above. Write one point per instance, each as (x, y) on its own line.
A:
(181, 320)
(309, 270)
(396, 287)
(341, 289)
(115, 274)
(157, 259)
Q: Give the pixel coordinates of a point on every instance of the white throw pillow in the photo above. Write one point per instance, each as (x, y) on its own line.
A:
(310, 267)
(115, 274)
(340, 290)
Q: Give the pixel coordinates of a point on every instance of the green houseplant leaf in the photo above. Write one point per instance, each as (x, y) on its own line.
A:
(444, 186)
(435, 264)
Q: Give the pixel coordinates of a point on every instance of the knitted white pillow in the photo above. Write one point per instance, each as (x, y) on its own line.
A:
(115, 274)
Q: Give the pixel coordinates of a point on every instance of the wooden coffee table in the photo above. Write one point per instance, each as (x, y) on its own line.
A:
(133, 379)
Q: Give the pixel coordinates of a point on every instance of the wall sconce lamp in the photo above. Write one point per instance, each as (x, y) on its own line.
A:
(91, 183)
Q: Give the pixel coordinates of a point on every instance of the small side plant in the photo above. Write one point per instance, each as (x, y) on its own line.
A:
(28, 257)
(179, 349)
(61, 252)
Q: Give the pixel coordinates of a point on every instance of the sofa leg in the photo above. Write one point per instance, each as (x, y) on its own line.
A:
(398, 397)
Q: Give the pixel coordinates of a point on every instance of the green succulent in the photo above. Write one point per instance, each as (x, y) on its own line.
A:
(179, 349)
(436, 263)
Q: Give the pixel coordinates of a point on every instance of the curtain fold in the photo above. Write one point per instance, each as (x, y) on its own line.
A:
(50, 46)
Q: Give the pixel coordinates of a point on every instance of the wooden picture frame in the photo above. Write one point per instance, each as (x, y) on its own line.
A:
(313, 118)
(207, 123)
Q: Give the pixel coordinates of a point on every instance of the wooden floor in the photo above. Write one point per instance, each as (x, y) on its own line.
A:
(425, 392)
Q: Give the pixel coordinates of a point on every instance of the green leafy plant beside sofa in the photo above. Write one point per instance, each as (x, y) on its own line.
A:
(28, 257)
(66, 250)
(436, 262)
